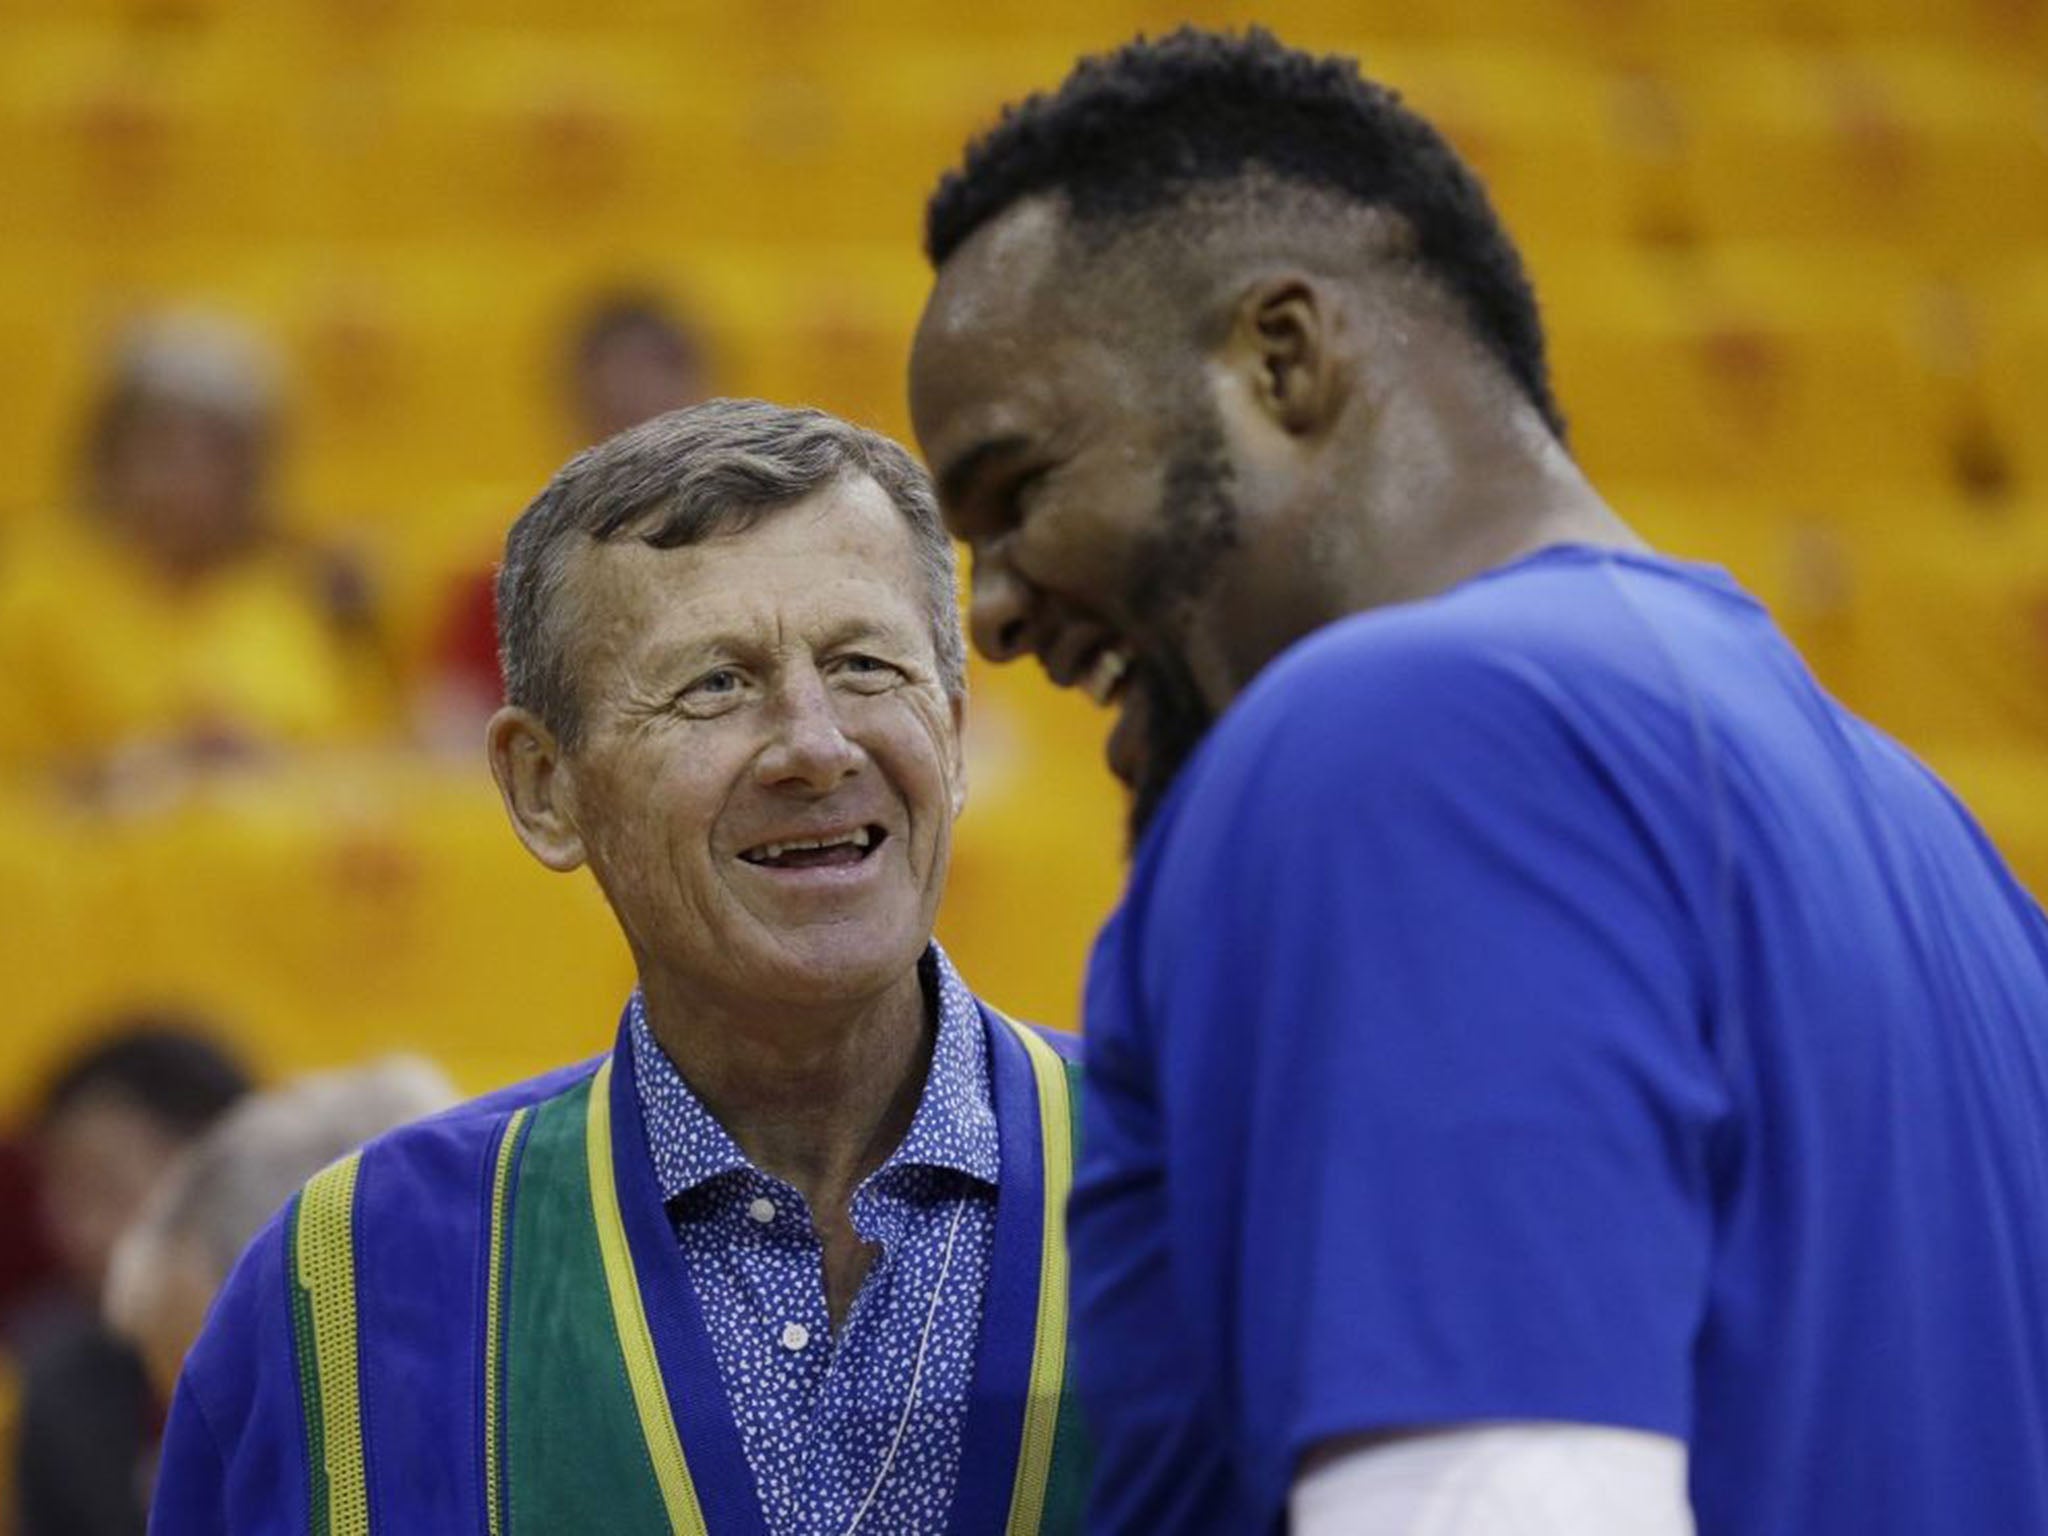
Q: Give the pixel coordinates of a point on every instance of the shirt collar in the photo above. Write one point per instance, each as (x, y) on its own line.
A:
(954, 1126)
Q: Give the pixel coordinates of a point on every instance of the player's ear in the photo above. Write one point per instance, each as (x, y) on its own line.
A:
(536, 785)
(1281, 345)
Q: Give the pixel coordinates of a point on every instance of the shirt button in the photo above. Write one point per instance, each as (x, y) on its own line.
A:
(763, 1211)
(795, 1336)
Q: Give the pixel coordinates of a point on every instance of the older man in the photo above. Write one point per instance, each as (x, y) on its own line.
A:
(1554, 1070)
(788, 1258)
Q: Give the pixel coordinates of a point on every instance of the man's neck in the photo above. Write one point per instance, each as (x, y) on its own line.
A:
(1432, 518)
(1460, 484)
(816, 1096)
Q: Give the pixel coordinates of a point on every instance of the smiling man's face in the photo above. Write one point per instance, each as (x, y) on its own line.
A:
(1097, 506)
(767, 778)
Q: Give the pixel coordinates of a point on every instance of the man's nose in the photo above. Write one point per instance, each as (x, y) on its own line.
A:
(999, 610)
(810, 748)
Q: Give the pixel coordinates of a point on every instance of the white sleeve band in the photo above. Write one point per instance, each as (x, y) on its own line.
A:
(1522, 1479)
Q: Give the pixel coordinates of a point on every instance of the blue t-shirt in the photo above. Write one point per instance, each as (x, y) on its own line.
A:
(1544, 1002)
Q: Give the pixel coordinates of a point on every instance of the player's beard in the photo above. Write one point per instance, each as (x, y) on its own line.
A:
(1175, 718)
(1196, 528)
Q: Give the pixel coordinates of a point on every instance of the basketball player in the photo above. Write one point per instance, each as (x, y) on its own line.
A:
(1553, 1070)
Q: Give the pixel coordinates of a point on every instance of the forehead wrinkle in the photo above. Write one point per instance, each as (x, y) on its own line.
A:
(638, 616)
(755, 626)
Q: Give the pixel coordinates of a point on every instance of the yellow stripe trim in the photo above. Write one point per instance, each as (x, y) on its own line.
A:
(326, 1268)
(494, 1304)
(629, 1315)
(1049, 1353)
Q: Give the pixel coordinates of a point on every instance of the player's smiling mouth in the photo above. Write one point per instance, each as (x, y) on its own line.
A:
(1106, 675)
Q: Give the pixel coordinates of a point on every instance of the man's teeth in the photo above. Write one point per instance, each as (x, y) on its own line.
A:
(859, 838)
(1103, 679)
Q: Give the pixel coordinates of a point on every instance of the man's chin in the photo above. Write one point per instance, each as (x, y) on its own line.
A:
(1175, 720)
(1146, 797)
(841, 964)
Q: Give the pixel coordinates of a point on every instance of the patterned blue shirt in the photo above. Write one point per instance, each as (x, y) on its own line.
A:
(861, 1431)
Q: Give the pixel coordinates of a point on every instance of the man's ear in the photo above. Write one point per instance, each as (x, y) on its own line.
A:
(1282, 345)
(535, 784)
(958, 704)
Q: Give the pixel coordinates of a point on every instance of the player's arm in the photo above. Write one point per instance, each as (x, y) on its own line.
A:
(1496, 1480)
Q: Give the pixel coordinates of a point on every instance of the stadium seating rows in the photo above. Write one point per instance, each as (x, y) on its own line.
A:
(1794, 255)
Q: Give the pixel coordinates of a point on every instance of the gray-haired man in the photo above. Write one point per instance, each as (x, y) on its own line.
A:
(789, 1257)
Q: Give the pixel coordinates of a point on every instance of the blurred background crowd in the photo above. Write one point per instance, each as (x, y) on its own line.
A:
(301, 300)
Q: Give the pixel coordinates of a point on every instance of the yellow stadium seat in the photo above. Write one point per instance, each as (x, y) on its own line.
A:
(1760, 367)
(1928, 613)
(1537, 126)
(2014, 340)
(1935, 150)
(111, 141)
(47, 344)
(1791, 253)
(2006, 791)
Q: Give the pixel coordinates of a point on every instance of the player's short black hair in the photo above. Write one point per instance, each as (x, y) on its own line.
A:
(1131, 132)
(158, 1061)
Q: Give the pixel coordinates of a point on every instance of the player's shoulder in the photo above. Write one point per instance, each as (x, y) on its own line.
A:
(1548, 636)
(1529, 671)
(1389, 682)
(1544, 609)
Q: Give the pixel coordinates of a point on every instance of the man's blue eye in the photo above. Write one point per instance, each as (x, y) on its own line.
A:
(869, 669)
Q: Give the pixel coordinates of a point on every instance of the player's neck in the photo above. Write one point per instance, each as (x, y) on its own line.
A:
(1468, 492)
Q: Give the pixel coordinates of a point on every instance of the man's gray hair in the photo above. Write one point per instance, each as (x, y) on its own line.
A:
(251, 1160)
(713, 468)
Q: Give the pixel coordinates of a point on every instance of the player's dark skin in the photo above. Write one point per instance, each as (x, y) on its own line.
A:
(1371, 451)
(1363, 451)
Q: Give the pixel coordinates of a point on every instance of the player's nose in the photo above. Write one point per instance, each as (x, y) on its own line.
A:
(999, 612)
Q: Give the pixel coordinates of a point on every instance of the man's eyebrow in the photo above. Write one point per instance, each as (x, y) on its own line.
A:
(865, 628)
(959, 475)
(683, 655)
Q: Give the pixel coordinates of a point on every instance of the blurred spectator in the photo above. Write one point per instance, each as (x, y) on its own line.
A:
(171, 626)
(28, 1266)
(230, 1182)
(110, 1124)
(631, 356)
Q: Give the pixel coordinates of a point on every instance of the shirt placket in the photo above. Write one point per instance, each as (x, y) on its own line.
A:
(863, 1384)
(792, 1338)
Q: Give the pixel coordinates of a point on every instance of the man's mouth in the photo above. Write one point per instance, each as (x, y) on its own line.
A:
(1159, 716)
(828, 850)
(1107, 676)
(1107, 672)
